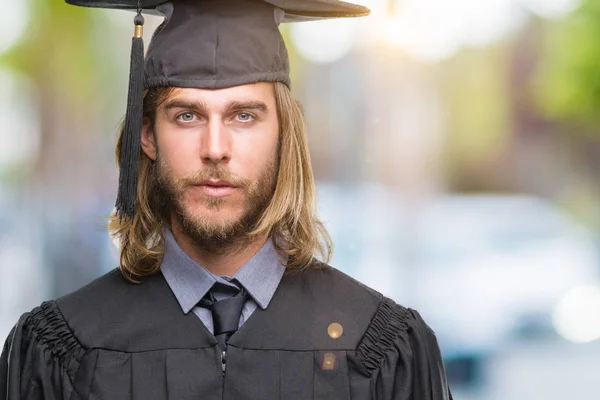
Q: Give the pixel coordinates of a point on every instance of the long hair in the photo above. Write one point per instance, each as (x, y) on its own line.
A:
(289, 219)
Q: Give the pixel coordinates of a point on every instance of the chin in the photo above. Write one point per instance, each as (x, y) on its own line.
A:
(213, 216)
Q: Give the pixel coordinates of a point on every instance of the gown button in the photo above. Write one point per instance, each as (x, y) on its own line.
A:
(335, 330)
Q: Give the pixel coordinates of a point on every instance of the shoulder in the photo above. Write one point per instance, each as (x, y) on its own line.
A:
(305, 306)
(50, 325)
(330, 285)
(103, 297)
(323, 295)
(98, 305)
(390, 330)
(49, 343)
(40, 344)
(46, 326)
(382, 330)
(388, 333)
(400, 347)
(111, 310)
(329, 289)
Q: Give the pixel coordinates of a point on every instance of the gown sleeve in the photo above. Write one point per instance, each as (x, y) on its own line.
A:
(402, 356)
(40, 357)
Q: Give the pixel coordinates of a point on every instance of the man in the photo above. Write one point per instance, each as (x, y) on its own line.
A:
(219, 294)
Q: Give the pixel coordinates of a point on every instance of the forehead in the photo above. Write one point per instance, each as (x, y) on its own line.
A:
(259, 91)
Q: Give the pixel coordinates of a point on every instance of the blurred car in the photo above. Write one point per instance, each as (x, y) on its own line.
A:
(483, 270)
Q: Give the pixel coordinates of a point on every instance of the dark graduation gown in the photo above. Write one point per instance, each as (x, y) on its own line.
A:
(116, 340)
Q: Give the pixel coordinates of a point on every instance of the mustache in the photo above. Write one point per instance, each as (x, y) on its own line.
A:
(213, 173)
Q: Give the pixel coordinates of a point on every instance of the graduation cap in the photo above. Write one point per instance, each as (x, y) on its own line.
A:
(205, 44)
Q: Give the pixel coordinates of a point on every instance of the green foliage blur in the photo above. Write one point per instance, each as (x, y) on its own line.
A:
(568, 83)
(75, 79)
(56, 49)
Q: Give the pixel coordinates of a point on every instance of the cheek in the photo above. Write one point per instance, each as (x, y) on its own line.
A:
(256, 155)
(177, 153)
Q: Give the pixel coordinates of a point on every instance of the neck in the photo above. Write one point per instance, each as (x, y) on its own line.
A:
(222, 263)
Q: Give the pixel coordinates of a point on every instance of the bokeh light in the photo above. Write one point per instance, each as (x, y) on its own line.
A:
(13, 22)
(551, 8)
(20, 119)
(324, 42)
(577, 315)
(430, 30)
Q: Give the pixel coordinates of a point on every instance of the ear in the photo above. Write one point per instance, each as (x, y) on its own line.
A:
(148, 140)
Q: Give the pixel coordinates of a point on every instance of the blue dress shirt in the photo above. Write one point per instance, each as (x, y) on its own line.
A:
(190, 281)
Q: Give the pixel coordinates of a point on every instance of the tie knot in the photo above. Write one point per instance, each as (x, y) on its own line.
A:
(226, 312)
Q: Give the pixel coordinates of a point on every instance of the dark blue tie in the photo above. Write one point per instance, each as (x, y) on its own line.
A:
(226, 315)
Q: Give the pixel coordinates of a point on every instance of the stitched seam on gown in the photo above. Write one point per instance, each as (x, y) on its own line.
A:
(48, 327)
(108, 349)
(385, 327)
(292, 350)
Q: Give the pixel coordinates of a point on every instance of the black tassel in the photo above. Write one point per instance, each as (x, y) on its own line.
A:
(130, 147)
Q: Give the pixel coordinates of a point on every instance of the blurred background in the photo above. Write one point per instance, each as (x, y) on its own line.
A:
(456, 146)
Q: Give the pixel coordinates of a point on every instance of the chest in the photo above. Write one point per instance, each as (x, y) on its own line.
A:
(285, 351)
(198, 374)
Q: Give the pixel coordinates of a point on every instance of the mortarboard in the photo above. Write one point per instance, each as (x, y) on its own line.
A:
(206, 44)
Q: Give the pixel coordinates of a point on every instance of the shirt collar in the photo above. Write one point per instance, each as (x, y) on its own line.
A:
(190, 281)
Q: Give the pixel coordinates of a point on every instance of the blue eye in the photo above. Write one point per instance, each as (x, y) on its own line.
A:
(186, 117)
(245, 117)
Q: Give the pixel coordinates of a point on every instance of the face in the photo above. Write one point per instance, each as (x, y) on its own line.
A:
(216, 154)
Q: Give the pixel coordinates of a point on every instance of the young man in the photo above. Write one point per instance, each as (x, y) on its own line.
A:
(219, 294)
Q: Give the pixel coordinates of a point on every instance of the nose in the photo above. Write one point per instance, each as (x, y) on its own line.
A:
(215, 143)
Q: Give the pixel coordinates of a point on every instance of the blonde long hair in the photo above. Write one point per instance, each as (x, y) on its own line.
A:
(290, 217)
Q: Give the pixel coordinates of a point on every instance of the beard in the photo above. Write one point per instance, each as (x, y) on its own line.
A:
(214, 235)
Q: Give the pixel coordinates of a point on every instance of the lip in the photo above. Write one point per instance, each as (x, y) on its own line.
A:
(216, 188)
(215, 183)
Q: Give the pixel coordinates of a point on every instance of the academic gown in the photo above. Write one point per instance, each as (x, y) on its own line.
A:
(117, 340)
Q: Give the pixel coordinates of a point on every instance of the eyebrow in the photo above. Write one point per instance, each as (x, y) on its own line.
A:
(247, 105)
(231, 106)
